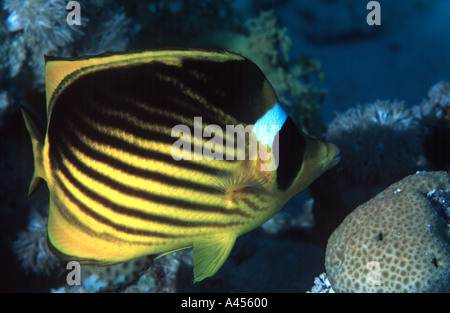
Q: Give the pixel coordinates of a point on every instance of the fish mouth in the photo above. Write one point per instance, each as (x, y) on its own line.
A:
(334, 154)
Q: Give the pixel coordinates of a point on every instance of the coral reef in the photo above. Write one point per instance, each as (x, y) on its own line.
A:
(39, 27)
(142, 275)
(171, 23)
(108, 278)
(162, 275)
(321, 285)
(441, 203)
(395, 242)
(374, 140)
(34, 256)
(101, 39)
(434, 114)
(380, 143)
(437, 107)
(31, 247)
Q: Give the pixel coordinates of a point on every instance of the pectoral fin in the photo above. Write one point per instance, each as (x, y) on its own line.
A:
(210, 253)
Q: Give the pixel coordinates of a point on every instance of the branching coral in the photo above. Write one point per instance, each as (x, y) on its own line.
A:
(395, 242)
(162, 275)
(436, 108)
(43, 23)
(31, 247)
(101, 39)
(139, 275)
(43, 30)
(108, 278)
(39, 27)
(322, 284)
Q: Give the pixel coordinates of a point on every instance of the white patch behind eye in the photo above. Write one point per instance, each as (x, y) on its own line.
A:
(270, 124)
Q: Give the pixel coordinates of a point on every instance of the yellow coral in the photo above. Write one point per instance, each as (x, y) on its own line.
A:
(395, 242)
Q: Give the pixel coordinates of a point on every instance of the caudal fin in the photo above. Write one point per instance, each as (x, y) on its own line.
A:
(37, 140)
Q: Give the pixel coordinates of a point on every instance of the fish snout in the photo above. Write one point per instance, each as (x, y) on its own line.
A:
(333, 155)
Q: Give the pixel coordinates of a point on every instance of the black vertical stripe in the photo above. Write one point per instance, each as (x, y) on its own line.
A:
(292, 147)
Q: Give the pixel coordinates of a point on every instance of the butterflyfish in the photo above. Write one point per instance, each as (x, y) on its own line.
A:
(142, 155)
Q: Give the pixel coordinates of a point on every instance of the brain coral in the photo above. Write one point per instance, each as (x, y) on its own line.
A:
(395, 242)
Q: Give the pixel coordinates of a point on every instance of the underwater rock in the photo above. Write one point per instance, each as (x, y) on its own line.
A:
(434, 115)
(395, 242)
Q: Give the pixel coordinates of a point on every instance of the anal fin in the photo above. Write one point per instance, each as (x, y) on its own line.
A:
(170, 252)
(210, 253)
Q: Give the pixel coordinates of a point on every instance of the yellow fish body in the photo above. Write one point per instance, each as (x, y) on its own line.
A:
(127, 178)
